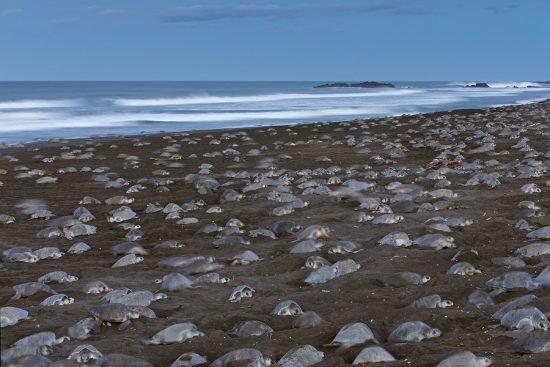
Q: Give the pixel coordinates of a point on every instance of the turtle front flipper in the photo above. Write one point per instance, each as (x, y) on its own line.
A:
(124, 325)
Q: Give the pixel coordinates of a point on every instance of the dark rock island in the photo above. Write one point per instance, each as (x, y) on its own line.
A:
(477, 85)
(356, 85)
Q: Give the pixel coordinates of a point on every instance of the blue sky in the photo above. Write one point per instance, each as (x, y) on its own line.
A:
(275, 40)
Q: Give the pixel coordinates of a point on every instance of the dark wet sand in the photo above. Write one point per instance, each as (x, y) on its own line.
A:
(354, 297)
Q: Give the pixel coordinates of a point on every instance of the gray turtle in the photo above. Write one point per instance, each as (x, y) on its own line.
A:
(402, 279)
(85, 353)
(96, 287)
(79, 248)
(352, 334)
(189, 359)
(81, 330)
(313, 232)
(284, 227)
(262, 232)
(465, 359)
(344, 267)
(399, 239)
(134, 235)
(87, 200)
(306, 246)
(240, 292)
(119, 200)
(248, 328)
(513, 304)
(480, 298)
(304, 355)
(412, 331)
(525, 319)
(169, 244)
(10, 354)
(6, 219)
(533, 342)
(373, 354)
(242, 357)
(57, 300)
(509, 261)
(129, 248)
(127, 260)
(308, 319)
(287, 308)
(49, 232)
(83, 215)
(534, 249)
(342, 247)
(42, 338)
(431, 301)
(463, 268)
(57, 276)
(177, 333)
(12, 315)
(321, 275)
(121, 214)
(48, 253)
(175, 282)
(315, 262)
(434, 241)
(544, 277)
(388, 219)
(31, 288)
(113, 312)
(212, 278)
(115, 294)
(230, 240)
(139, 298)
(79, 230)
(245, 258)
(540, 234)
(32, 361)
(118, 359)
(513, 280)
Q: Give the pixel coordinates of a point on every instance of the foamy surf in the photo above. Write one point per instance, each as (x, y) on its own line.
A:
(34, 104)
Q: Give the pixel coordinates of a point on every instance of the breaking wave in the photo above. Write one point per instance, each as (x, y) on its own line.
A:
(37, 103)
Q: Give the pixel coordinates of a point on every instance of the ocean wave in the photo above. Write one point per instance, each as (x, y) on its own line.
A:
(44, 121)
(38, 103)
(500, 84)
(207, 99)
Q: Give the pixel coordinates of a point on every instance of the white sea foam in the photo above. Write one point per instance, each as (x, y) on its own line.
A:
(206, 99)
(38, 103)
(500, 84)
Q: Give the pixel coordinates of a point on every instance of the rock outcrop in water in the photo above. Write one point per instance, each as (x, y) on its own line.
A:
(356, 85)
(477, 85)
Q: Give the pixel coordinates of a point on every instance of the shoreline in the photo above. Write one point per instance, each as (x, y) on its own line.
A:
(46, 142)
(332, 166)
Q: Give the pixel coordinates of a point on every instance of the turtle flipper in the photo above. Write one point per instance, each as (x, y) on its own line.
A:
(124, 325)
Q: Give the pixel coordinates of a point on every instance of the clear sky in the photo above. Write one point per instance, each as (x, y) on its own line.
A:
(275, 40)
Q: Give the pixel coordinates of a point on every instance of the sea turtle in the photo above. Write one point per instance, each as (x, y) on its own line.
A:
(463, 268)
(57, 300)
(525, 319)
(287, 308)
(177, 333)
(118, 359)
(306, 246)
(388, 219)
(114, 312)
(352, 334)
(126, 260)
(6, 219)
(283, 227)
(129, 248)
(87, 200)
(544, 277)
(399, 239)
(242, 357)
(480, 298)
(403, 279)
(79, 248)
(79, 230)
(262, 232)
(11, 354)
(431, 301)
(512, 280)
(531, 188)
(313, 232)
(23, 255)
(49, 232)
(465, 359)
(303, 355)
(32, 361)
(95, 287)
(412, 331)
(42, 338)
(509, 261)
(189, 359)
(169, 244)
(57, 276)
(81, 330)
(31, 288)
(230, 240)
(121, 214)
(212, 278)
(245, 258)
(83, 215)
(434, 241)
(119, 200)
(534, 249)
(12, 315)
(48, 253)
(308, 319)
(85, 353)
(241, 291)
(138, 298)
(540, 234)
(342, 247)
(315, 262)
(513, 304)
(248, 328)
(373, 354)
(533, 342)
(134, 235)
(175, 282)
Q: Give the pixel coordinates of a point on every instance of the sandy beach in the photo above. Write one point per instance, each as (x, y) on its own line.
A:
(434, 151)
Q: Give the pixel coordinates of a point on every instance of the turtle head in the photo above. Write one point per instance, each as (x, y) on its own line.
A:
(246, 293)
(61, 339)
(542, 325)
(139, 259)
(225, 280)
(132, 314)
(334, 250)
(445, 303)
(483, 362)
(158, 281)
(434, 333)
(73, 278)
(160, 296)
(425, 279)
(45, 350)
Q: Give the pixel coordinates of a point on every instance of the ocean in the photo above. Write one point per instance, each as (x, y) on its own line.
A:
(43, 110)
